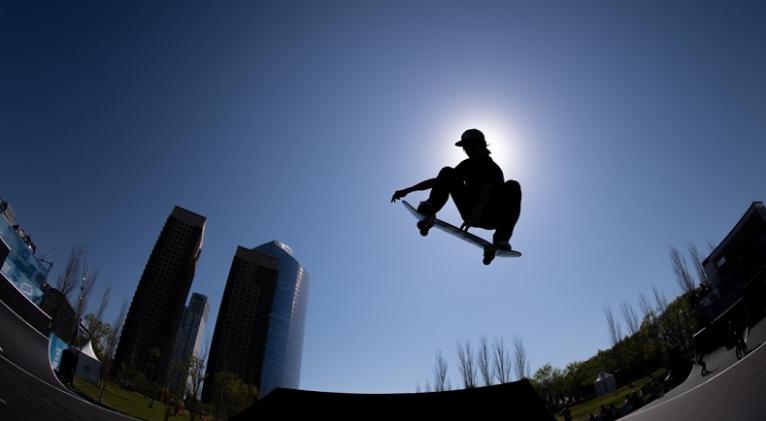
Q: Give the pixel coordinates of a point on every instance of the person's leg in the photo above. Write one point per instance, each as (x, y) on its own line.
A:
(507, 212)
(447, 183)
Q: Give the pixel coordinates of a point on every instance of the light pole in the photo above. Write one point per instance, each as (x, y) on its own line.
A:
(77, 314)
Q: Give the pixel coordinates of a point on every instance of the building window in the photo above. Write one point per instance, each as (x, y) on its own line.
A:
(720, 262)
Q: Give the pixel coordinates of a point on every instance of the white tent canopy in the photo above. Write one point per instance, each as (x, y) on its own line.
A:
(88, 350)
(88, 365)
(605, 383)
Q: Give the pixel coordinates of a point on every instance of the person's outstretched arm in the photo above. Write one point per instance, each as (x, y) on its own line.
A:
(423, 185)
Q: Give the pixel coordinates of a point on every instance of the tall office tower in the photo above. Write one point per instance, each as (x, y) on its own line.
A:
(259, 332)
(192, 330)
(149, 334)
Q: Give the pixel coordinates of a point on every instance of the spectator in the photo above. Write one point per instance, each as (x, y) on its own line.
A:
(699, 361)
(567, 414)
(604, 415)
(613, 412)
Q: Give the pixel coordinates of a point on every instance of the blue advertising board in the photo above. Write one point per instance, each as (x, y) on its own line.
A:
(21, 266)
(55, 349)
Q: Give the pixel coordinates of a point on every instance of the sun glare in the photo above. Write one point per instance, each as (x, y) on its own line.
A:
(500, 136)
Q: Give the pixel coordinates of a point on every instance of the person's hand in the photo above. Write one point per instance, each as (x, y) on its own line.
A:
(398, 195)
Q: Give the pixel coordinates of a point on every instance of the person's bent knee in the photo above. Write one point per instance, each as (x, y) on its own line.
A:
(513, 187)
(447, 172)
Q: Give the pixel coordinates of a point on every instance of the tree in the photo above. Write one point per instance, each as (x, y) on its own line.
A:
(440, 373)
(176, 385)
(502, 361)
(197, 378)
(231, 395)
(542, 378)
(155, 354)
(99, 315)
(615, 331)
(76, 273)
(520, 356)
(466, 365)
(646, 307)
(485, 366)
(109, 348)
(550, 385)
(68, 279)
(578, 378)
(702, 278)
(615, 334)
(680, 268)
(631, 319)
(87, 282)
(660, 300)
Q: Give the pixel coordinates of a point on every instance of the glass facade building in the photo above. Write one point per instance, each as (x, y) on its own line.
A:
(192, 331)
(259, 331)
(284, 342)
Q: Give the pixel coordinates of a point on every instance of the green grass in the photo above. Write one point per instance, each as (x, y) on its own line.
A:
(128, 403)
(584, 409)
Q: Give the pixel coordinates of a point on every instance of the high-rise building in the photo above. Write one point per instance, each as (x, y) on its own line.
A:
(192, 329)
(259, 331)
(149, 334)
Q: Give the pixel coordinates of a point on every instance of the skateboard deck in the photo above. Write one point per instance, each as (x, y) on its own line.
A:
(465, 235)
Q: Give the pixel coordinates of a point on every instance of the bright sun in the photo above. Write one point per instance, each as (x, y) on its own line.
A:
(498, 132)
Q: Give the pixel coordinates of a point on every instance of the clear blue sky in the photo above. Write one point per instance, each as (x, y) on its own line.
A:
(632, 126)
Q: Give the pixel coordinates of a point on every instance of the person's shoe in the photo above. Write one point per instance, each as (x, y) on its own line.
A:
(489, 254)
(502, 244)
(426, 208)
(425, 224)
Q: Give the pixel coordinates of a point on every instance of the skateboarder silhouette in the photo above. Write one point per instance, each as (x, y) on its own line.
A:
(481, 194)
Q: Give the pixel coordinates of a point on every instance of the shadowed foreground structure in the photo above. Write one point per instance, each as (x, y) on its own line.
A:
(514, 401)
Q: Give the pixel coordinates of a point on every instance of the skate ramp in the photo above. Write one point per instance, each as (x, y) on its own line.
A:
(512, 401)
(29, 390)
(720, 359)
(715, 361)
(20, 304)
(731, 393)
(21, 342)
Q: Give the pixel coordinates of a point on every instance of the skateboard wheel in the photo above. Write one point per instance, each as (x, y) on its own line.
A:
(423, 227)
